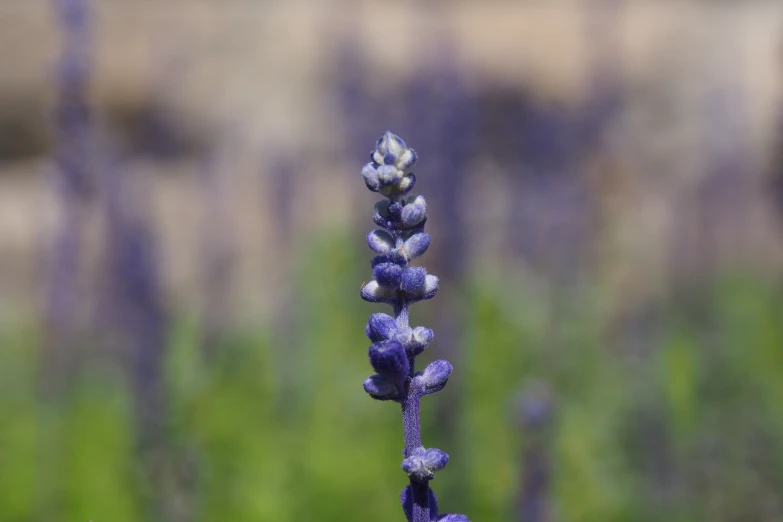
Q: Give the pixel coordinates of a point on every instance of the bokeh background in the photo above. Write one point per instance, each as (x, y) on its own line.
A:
(182, 227)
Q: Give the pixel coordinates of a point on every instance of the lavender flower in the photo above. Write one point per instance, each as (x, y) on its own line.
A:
(72, 176)
(395, 343)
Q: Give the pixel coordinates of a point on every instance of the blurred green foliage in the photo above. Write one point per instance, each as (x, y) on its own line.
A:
(273, 425)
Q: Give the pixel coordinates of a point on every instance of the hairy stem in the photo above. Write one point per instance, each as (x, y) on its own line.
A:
(410, 419)
(412, 428)
(401, 314)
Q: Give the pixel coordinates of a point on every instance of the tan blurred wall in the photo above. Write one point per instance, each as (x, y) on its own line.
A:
(249, 77)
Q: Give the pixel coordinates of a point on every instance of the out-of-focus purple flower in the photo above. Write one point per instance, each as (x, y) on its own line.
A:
(72, 173)
(402, 218)
(535, 413)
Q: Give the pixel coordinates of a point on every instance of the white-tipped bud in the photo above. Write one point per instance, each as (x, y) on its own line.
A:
(416, 245)
(423, 335)
(375, 293)
(436, 374)
(370, 175)
(380, 242)
(407, 159)
(389, 174)
(430, 285)
(414, 211)
(390, 143)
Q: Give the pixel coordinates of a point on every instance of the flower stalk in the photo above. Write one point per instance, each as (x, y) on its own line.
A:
(401, 239)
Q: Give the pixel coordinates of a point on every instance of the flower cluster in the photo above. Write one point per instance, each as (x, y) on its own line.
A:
(396, 344)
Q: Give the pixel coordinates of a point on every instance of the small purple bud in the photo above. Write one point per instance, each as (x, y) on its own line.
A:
(380, 241)
(388, 275)
(372, 292)
(406, 499)
(399, 188)
(414, 211)
(389, 174)
(390, 142)
(389, 360)
(435, 376)
(413, 280)
(435, 459)
(416, 245)
(407, 183)
(371, 179)
(380, 327)
(390, 158)
(407, 159)
(380, 388)
(422, 337)
(430, 287)
(423, 463)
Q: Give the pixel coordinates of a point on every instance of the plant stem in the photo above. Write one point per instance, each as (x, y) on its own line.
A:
(412, 428)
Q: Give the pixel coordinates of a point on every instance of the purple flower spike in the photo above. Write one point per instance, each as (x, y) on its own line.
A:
(388, 359)
(396, 345)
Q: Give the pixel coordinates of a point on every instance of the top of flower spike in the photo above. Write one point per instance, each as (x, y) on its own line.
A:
(386, 172)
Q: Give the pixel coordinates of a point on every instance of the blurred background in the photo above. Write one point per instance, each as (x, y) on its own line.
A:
(182, 225)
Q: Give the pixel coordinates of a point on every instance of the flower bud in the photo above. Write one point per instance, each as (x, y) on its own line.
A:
(389, 143)
(371, 179)
(416, 245)
(407, 159)
(388, 358)
(413, 280)
(380, 241)
(414, 211)
(421, 338)
(381, 327)
(380, 388)
(430, 287)
(435, 376)
(402, 187)
(388, 275)
(372, 292)
(389, 174)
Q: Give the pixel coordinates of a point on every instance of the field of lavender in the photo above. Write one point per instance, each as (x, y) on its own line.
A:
(182, 248)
